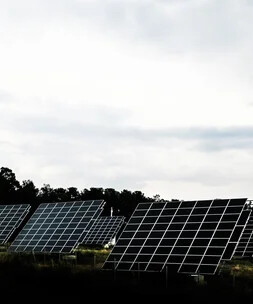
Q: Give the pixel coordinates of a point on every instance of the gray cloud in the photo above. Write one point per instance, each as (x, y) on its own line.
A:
(65, 151)
(97, 145)
(177, 26)
(5, 98)
(109, 125)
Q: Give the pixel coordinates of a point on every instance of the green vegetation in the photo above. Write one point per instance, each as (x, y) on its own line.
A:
(25, 274)
(83, 258)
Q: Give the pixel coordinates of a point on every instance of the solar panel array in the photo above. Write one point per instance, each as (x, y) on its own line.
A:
(103, 230)
(184, 236)
(11, 217)
(57, 227)
(245, 245)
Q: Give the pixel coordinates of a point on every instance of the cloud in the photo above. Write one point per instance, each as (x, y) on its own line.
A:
(226, 137)
(177, 26)
(5, 98)
(175, 163)
(105, 125)
(150, 95)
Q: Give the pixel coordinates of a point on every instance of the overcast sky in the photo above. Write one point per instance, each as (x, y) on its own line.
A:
(149, 95)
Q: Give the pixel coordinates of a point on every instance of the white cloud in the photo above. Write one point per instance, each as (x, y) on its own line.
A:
(154, 95)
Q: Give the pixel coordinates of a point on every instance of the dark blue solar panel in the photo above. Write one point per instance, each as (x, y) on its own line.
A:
(245, 245)
(187, 236)
(57, 227)
(104, 230)
(11, 217)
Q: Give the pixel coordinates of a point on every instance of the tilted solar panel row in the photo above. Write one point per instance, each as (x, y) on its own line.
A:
(57, 227)
(11, 217)
(245, 244)
(103, 230)
(184, 236)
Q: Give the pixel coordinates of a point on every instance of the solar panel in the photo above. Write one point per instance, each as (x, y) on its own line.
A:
(103, 230)
(183, 236)
(11, 217)
(245, 244)
(57, 227)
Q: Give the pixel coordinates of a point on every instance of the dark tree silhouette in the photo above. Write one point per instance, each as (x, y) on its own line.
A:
(60, 195)
(123, 203)
(112, 198)
(93, 193)
(27, 193)
(126, 204)
(73, 194)
(46, 194)
(8, 186)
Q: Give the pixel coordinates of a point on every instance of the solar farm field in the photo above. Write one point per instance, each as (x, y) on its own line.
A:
(24, 277)
(186, 250)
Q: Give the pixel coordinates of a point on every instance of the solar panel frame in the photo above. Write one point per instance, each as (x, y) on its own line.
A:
(57, 227)
(11, 217)
(103, 230)
(186, 218)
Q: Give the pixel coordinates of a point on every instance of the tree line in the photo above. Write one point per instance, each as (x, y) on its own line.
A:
(13, 192)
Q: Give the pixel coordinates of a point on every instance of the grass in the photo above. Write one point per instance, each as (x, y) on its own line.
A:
(22, 276)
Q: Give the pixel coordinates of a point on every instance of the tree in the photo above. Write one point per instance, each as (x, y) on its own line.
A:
(27, 193)
(8, 186)
(157, 197)
(111, 196)
(46, 194)
(73, 194)
(126, 206)
(123, 203)
(92, 194)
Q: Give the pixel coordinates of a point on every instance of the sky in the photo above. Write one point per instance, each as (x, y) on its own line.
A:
(144, 95)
